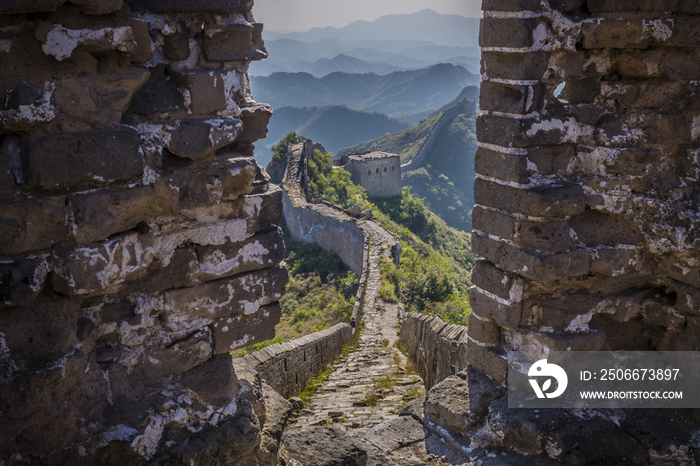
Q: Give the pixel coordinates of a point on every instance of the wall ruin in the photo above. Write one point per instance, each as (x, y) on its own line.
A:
(289, 365)
(138, 245)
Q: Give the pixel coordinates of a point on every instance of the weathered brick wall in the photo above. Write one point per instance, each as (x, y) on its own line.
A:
(587, 200)
(137, 245)
(287, 366)
(436, 349)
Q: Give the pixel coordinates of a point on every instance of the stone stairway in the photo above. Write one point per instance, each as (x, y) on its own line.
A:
(368, 386)
(364, 394)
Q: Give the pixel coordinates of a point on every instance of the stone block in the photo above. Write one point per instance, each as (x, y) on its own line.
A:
(98, 216)
(91, 103)
(566, 5)
(176, 46)
(507, 32)
(538, 342)
(212, 182)
(38, 335)
(659, 128)
(10, 166)
(22, 280)
(31, 225)
(615, 261)
(198, 138)
(488, 361)
(639, 64)
(158, 95)
(11, 7)
(504, 285)
(206, 88)
(461, 401)
(260, 251)
(595, 6)
(255, 119)
(624, 34)
(187, 6)
(504, 313)
(484, 331)
(688, 7)
(229, 42)
(177, 357)
(552, 160)
(234, 332)
(510, 5)
(524, 132)
(502, 165)
(321, 446)
(681, 65)
(22, 94)
(509, 98)
(528, 264)
(527, 66)
(98, 7)
(545, 201)
(236, 298)
(60, 42)
(82, 160)
(103, 266)
(547, 237)
(180, 271)
(215, 381)
(261, 210)
(142, 51)
(653, 94)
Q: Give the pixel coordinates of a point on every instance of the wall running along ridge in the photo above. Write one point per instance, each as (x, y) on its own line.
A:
(463, 106)
(138, 245)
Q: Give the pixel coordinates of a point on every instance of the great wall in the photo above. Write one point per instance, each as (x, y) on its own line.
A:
(139, 247)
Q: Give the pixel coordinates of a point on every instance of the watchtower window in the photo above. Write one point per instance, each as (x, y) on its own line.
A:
(369, 172)
(377, 170)
(392, 168)
(384, 168)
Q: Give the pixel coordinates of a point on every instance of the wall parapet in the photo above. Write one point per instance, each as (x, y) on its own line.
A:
(287, 366)
(437, 349)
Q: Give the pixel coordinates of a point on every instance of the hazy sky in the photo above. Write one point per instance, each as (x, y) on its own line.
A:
(302, 15)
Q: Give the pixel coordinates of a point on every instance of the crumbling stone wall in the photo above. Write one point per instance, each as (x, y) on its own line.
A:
(137, 240)
(436, 349)
(287, 366)
(587, 197)
(319, 223)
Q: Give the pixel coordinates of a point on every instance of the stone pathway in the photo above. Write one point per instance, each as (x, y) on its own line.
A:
(365, 392)
(368, 386)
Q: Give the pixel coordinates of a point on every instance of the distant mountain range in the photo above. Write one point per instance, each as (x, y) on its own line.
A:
(407, 95)
(426, 25)
(391, 43)
(334, 126)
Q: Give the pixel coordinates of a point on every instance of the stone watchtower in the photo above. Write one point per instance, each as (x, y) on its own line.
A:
(378, 172)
